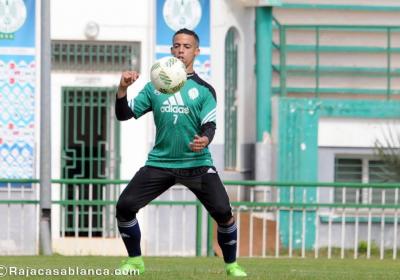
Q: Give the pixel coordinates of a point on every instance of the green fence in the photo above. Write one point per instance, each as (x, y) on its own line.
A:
(386, 46)
(340, 226)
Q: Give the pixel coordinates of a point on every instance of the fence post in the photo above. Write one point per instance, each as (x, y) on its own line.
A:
(210, 236)
(199, 228)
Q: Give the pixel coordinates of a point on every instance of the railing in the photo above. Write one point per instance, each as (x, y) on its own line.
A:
(322, 43)
(274, 218)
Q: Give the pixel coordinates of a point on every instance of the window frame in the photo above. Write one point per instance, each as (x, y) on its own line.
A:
(365, 194)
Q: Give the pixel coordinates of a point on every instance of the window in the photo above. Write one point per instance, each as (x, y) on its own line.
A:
(362, 170)
(95, 56)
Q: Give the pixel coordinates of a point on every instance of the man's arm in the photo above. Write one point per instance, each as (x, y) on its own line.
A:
(208, 130)
(122, 109)
(207, 134)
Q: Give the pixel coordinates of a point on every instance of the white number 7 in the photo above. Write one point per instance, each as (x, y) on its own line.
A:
(175, 118)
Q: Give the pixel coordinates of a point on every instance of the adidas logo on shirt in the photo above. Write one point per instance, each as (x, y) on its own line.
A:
(174, 104)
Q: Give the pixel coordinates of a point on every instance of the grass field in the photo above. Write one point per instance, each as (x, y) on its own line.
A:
(209, 268)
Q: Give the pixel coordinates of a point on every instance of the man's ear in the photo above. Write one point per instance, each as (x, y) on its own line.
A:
(197, 51)
(171, 50)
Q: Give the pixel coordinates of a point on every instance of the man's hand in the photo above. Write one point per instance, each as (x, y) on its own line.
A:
(199, 143)
(127, 78)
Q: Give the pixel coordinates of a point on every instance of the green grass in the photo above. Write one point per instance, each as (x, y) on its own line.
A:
(212, 268)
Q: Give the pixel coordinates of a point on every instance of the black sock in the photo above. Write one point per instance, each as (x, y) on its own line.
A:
(130, 233)
(227, 239)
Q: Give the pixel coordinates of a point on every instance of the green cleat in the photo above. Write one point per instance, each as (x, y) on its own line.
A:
(233, 269)
(132, 266)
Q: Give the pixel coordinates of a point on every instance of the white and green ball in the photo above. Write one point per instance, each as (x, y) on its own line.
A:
(168, 75)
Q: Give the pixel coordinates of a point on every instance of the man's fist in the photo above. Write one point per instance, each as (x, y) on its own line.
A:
(128, 78)
(198, 143)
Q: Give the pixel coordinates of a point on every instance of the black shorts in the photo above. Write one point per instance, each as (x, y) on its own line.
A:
(149, 182)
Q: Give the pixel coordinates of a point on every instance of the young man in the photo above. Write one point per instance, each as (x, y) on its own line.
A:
(179, 155)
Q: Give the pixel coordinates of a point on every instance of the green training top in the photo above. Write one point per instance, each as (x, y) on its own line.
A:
(178, 118)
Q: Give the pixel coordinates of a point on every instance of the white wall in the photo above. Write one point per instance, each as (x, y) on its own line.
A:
(352, 132)
(128, 20)
(124, 20)
(224, 15)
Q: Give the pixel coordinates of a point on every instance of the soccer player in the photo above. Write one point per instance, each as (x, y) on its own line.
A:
(185, 126)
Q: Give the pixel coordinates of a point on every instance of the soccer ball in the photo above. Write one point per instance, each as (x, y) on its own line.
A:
(168, 74)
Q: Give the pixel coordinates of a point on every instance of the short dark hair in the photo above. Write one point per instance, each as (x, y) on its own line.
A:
(187, 32)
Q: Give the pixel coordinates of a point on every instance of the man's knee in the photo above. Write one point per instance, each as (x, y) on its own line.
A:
(229, 222)
(223, 215)
(125, 209)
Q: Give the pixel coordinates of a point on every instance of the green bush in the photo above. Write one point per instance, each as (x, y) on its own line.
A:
(363, 246)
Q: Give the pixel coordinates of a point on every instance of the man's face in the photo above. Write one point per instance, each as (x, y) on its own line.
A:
(185, 49)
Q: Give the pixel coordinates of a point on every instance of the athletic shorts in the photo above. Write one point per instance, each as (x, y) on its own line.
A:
(150, 182)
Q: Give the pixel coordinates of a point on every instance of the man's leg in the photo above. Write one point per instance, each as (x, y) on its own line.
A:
(211, 192)
(147, 184)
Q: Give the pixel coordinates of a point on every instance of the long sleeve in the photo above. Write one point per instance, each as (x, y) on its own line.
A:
(122, 109)
(208, 129)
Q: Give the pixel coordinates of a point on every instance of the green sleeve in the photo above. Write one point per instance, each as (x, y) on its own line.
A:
(208, 110)
(141, 104)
